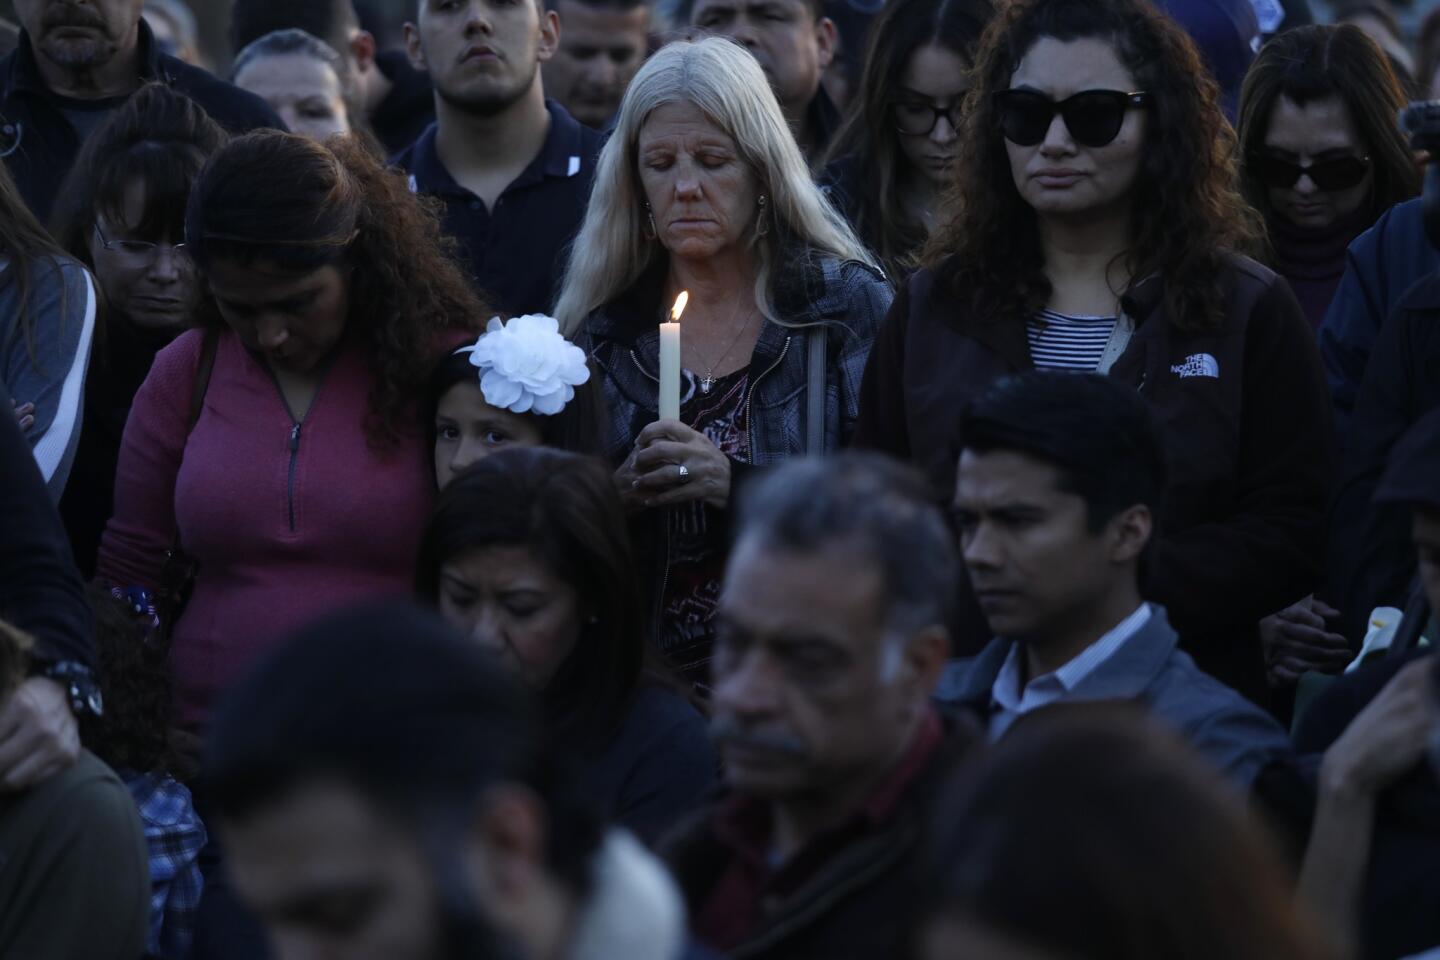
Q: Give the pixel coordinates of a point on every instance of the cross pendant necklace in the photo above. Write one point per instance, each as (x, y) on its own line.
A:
(707, 382)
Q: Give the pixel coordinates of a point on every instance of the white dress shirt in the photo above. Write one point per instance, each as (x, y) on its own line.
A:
(1009, 702)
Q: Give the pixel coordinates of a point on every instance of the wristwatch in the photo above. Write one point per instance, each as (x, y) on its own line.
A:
(78, 682)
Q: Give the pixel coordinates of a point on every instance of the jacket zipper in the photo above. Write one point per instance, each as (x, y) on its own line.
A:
(293, 442)
(641, 368)
(290, 483)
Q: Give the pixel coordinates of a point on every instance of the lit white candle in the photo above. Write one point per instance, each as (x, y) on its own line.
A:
(670, 360)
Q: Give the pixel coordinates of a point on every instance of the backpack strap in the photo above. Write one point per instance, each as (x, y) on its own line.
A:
(208, 346)
(815, 392)
(177, 573)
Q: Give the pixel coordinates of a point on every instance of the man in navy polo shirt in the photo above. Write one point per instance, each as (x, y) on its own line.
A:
(513, 169)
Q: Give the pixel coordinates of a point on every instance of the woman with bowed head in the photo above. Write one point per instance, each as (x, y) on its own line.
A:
(528, 553)
(277, 449)
(1098, 227)
(520, 384)
(303, 79)
(894, 157)
(1322, 157)
(1321, 153)
(122, 214)
(702, 190)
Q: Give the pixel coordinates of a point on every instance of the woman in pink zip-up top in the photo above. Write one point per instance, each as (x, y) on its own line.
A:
(305, 482)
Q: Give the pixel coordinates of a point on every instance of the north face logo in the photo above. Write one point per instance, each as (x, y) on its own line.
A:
(1198, 365)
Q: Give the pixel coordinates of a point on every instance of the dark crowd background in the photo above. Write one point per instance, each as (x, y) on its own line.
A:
(630, 479)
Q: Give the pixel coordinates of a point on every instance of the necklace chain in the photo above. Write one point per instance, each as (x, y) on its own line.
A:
(707, 382)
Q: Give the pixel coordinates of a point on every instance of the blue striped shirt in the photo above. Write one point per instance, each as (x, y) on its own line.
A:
(1062, 342)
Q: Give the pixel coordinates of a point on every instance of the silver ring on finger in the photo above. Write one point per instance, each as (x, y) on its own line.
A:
(684, 473)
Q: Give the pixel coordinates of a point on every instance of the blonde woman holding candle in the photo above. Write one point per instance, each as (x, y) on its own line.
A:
(701, 190)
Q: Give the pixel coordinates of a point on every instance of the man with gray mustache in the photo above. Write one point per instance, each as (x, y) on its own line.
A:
(832, 635)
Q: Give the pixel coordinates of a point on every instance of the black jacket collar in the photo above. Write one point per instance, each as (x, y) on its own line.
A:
(810, 290)
(1010, 340)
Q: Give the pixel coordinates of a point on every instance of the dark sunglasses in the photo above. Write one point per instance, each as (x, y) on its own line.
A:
(1342, 173)
(1093, 117)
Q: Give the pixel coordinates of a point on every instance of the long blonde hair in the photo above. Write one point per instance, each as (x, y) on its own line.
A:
(721, 78)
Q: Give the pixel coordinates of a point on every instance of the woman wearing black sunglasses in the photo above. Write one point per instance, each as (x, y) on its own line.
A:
(1321, 154)
(1096, 227)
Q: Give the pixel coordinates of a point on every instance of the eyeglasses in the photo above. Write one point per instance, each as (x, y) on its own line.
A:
(137, 251)
(1093, 117)
(1342, 173)
(918, 119)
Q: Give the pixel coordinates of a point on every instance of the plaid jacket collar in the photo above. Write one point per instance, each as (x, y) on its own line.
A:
(817, 293)
(624, 343)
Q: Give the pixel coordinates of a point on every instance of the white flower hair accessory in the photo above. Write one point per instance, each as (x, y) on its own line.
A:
(526, 365)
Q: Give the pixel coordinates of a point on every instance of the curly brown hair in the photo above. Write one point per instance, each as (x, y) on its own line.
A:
(1187, 212)
(133, 671)
(297, 206)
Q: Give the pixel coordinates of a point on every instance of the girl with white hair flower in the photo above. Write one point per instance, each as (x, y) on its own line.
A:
(519, 384)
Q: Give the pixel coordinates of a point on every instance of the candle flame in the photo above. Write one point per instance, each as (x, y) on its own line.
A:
(679, 307)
